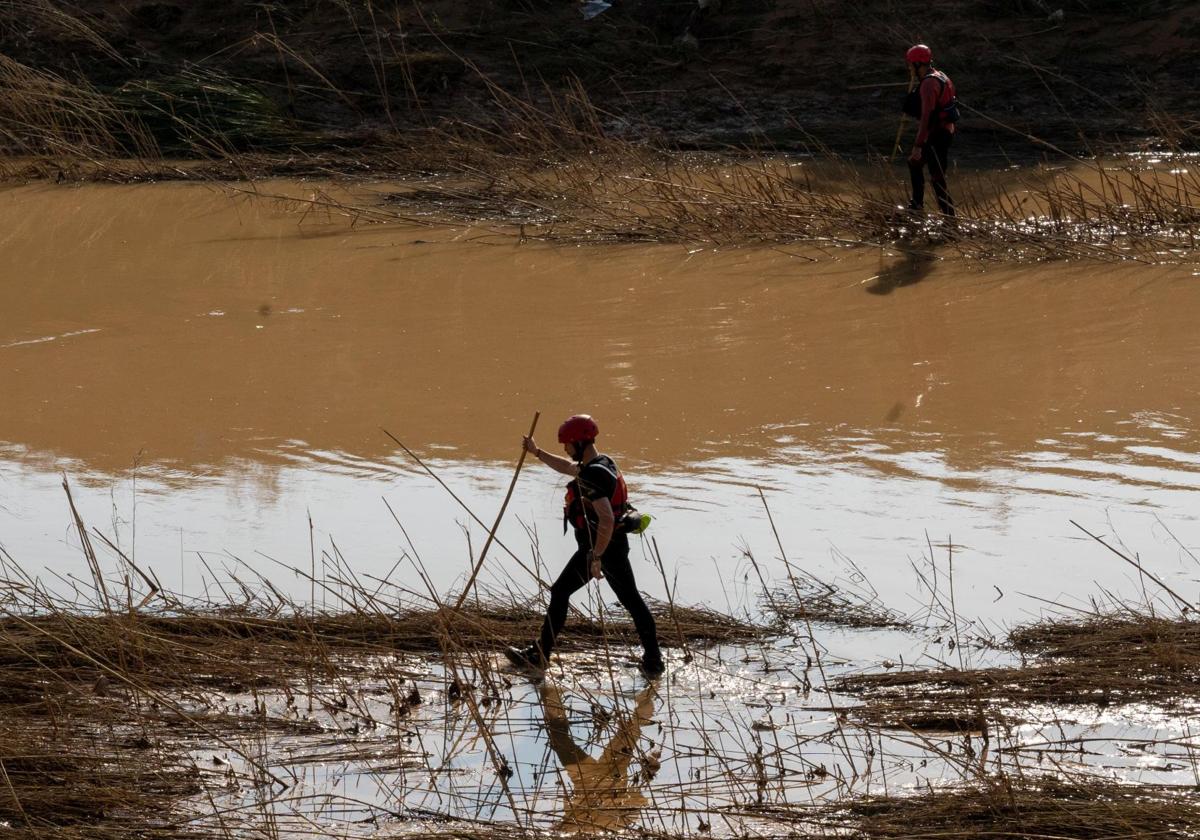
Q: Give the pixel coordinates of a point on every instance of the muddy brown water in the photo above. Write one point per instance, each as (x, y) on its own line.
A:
(211, 369)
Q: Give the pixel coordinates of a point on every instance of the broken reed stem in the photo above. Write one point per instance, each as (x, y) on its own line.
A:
(816, 649)
(85, 545)
(687, 654)
(1179, 599)
(499, 516)
(12, 791)
(463, 505)
(450, 646)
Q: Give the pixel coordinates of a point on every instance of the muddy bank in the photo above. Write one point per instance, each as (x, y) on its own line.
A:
(311, 75)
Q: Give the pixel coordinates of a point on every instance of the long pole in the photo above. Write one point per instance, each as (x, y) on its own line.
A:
(912, 76)
(878, 85)
(492, 534)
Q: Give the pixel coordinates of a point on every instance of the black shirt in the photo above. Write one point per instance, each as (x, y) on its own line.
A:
(598, 478)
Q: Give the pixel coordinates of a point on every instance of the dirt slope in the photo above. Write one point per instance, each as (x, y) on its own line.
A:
(783, 72)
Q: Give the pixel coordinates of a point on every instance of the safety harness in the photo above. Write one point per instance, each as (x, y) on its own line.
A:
(946, 111)
(579, 512)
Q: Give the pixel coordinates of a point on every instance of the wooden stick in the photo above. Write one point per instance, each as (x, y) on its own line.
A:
(912, 77)
(492, 534)
(879, 85)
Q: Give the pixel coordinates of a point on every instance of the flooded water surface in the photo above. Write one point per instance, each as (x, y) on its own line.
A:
(219, 378)
(212, 370)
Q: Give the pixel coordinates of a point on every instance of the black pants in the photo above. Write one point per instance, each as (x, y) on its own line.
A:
(619, 574)
(936, 155)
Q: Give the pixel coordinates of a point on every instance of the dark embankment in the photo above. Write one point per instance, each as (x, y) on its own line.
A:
(214, 75)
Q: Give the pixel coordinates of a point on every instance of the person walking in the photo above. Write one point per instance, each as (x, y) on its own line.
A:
(597, 508)
(935, 105)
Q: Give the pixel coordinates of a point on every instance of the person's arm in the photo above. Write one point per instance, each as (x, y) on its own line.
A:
(929, 97)
(605, 521)
(556, 462)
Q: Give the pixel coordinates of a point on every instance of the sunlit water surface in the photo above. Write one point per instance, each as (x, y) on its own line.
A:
(214, 373)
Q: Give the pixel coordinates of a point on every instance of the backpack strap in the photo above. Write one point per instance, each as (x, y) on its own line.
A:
(940, 110)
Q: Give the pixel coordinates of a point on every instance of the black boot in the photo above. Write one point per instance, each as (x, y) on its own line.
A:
(652, 664)
(526, 657)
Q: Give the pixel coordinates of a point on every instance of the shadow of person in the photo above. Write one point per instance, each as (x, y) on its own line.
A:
(602, 797)
(910, 269)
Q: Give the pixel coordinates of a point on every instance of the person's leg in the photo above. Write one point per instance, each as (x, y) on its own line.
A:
(917, 173)
(573, 578)
(619, 574)
(938, 152)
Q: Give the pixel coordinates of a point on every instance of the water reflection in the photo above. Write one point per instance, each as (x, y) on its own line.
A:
(910, 269)
(208, 371)
(603, 796)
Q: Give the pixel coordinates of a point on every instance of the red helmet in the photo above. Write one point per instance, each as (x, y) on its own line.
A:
(919, 54)
(578, 428)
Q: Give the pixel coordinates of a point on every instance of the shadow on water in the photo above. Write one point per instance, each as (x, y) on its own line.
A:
(603, 797)
(910, 269)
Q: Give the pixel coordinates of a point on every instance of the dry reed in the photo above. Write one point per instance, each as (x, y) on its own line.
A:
(241, 649)
(1103, 659)
(106, 701)
(813, 600)
(621, 191)
(1036, 807)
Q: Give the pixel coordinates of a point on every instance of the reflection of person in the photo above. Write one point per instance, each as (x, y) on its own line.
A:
(912, 269)
(597, 506)
(936, 108)
(602, 797)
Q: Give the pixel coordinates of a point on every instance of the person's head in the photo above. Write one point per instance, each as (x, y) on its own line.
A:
(576, 434)
(919, 58)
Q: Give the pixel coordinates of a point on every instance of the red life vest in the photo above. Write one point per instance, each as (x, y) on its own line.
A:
(579, 512)
(946, 111)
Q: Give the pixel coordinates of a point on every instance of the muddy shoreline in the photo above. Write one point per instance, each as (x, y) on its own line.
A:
(308, 77)
(138, 722)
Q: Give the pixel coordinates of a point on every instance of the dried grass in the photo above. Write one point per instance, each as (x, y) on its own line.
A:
(57, 777)
(241, 650)
(812, 600)
(1017, 808)
(620, 191)
(1103, 659)
(87, 704)
(1049, 807)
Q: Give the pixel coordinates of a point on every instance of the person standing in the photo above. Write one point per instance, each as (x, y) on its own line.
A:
(935, 105)
(597, 508)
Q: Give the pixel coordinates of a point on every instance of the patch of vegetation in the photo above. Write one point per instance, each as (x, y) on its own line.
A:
(204, 109)
(1102, 660)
